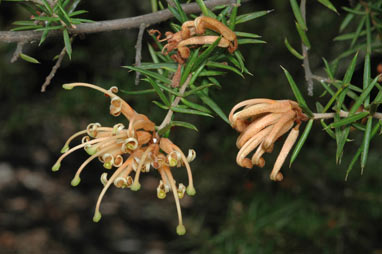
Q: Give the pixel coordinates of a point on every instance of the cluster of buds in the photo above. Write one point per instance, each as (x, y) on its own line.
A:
(261, 123)
(192, 33)
(132, 151)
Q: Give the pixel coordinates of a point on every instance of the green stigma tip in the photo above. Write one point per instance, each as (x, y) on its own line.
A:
(180, 230)
(191, 191)
(91, 150)
(67, 86)
(135, 186)
(76, 181)
(56, 167)
(97, 216)
(65, 149)
(107, 165)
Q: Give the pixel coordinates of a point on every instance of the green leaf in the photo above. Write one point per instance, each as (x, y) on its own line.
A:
(162, 106)
(303, 36)
(354, 11)
(160, 93)
(348, 120)
(29, 58)
(189, 111)
(64, 16)
(301, 141)
(334, 97)
(297, 14)
(208, 73)
(348, 36)
(190, 66)
(24, 23)
(292, 50)
(184, 124)
(250, 41)
(248, 35)
(366, 143)
(166, 66)
(358, 31)
(366, 77)
(204, 9)
(210, 103)
(21, 28)
(138, 92)
(249, 16)
(301, 101)
(346, 21)
(206, 53)
(68, 44)
(195, 106)
(224, 66)
(44, 18)
(149, 74)
(350, 70)
(328, 5)
(327, 129)
(360, 149)
(197, 89)
(78, 12)
(48, 7)
(361, 99)
(182, 14)
(232, 18)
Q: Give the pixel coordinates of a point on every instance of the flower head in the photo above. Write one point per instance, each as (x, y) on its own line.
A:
(131, 150)
(261, 123)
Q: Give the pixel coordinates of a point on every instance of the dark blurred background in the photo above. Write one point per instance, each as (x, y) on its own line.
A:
(236, 210)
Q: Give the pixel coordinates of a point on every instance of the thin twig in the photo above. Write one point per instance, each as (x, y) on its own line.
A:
(138, 51)
(168, 117)
(18, 51)
(308, 72)
(110, 25)
(54, 70)
(342, 113)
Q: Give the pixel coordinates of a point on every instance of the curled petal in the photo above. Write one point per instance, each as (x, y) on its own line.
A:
(191, 155)
(288, 144)
(92, 129)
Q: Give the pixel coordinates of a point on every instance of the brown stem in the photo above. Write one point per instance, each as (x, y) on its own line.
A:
(308, 72)
(168, 117)
(54, 70)
(18, 51)
(110, 25)
(138, 51)
(376, 115)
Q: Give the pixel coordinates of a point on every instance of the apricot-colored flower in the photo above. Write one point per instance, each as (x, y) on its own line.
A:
(261, 123)
(132, 151)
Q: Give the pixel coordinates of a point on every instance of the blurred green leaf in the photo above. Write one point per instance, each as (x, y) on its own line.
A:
(358, 31)
(363, 96)
(249, 16)
(160, 93)
(250, 41)
(354, 11)
(184, 124)
(29, 58)
(195, 106)
(68, 43)
(360, 149)
(297, 14)
(300, 99)
(232, 18)
(210, 103)
(224, 66)
(138, 92)
(292, 50)
(366, 143)
(348, 120)
(189, 111)
(303, 36)
(149, 73)
(301, 141)
(329, 5)
(249, 35)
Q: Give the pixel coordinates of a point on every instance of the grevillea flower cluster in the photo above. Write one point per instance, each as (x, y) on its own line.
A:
(132, 150)
(192, 33)
(261, 123)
